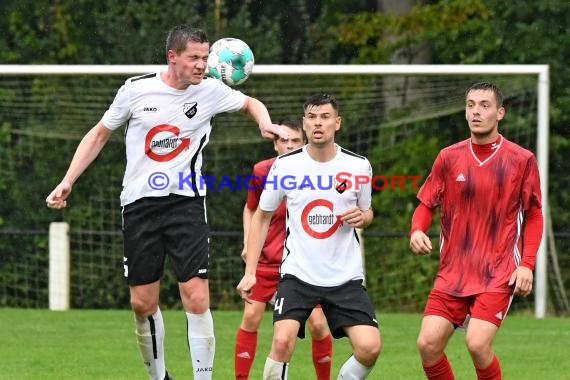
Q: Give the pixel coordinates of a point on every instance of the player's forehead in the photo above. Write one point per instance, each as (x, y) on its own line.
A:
(478, 96)
(294, 133)
(320, 109)
(193, 48)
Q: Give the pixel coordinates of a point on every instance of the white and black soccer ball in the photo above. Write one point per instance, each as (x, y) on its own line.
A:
(230, 60)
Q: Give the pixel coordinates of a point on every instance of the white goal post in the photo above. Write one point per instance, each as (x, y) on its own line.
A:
(543, 94)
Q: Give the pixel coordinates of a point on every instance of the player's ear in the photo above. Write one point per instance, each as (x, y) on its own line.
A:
(501, 113)
(170, 55)
(338, 121)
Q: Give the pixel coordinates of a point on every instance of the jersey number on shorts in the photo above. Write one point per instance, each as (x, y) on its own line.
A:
(279, 305)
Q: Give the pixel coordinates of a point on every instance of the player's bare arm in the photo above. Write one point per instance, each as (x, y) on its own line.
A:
(247, 216)
(258, 112)
(420, 243)
(521, 279)
(357, 218)
(87, 150)
(256, 238)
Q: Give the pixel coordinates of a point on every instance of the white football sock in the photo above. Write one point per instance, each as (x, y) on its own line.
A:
(202, 344)
(150, 337)
(353, 370)
(274, 370)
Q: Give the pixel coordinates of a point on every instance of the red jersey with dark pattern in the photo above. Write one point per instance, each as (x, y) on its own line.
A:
(272, 251)
(482, 207)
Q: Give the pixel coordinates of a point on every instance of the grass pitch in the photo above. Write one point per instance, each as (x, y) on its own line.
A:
(100, 344)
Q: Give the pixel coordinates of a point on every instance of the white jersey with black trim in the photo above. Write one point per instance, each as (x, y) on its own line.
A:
(319, 248)
(166, 131)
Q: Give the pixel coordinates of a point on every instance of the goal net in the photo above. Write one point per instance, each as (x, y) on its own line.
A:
(398, 116)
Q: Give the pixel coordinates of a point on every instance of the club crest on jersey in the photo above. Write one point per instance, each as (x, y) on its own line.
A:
(340, 186)
(190, 109)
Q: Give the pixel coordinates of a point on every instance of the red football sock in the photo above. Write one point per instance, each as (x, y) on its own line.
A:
(322, 357)
(492, 372)
(440, 370)
(246, 344)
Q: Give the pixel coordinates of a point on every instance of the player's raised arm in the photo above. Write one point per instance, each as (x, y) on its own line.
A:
(258, 112)
(87, 150)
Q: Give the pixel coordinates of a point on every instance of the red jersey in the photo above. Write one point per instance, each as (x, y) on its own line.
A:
(482, 205)
(272, 251)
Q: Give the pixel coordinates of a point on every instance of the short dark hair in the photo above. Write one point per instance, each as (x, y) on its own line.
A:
(487, 86)
(293, 123)
(319, 100)
(179, 36)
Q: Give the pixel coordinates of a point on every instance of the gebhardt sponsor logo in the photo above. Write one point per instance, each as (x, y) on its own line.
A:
(342, 182)
(318, 219)
(163, 144)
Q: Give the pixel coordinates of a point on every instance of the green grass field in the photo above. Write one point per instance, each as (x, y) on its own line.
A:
(100, 344)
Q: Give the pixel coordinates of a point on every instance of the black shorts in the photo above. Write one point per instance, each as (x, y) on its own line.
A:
(344, 305)
(156, 227)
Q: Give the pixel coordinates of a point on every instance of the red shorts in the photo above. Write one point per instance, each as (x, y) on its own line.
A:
(265, 284)
(490, 307)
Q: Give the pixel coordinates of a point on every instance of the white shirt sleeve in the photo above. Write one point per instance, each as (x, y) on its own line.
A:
(364, 200)
(227, 99)
(119, 111)
(272, 193)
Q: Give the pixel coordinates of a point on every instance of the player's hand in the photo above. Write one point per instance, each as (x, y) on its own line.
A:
(245, 286)
(420, 243)
(353, 216)
(57, 198)
(521, 279)
(271, 131)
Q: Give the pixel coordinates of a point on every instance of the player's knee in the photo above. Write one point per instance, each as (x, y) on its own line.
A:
(427, 346)
(142, 308)
(195, 298)
(282, 348)
(318, 328)
(367, 352)
(251, 319)
(477, 348)
(197, 304)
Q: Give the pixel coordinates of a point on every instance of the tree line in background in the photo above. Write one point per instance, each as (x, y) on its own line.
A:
(301, 32)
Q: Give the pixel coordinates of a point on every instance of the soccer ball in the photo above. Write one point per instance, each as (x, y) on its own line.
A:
(230, 61)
